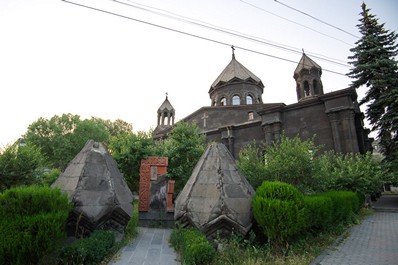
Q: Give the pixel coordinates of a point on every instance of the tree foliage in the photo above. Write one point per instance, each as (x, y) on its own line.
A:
(375, 67)
(184, 146)
(298, 163)
(18, 165)
(288, 160)
(251, 164)
(61, 138)
(128, 149)
(354, 172)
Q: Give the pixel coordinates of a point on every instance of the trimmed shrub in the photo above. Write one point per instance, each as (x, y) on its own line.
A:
(88, 251)
(193, 246)
(344, 203)
(318, 211)
(32, 223)
(279, 210)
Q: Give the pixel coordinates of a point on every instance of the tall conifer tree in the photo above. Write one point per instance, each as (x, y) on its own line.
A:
(375, 66)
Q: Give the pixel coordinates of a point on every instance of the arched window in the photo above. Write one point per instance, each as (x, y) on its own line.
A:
(315, 86)
(236, 100)
(249, 100)
(223, 101)
(306, 89)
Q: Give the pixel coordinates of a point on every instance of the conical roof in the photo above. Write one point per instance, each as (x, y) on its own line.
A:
(305, 63)
(235, 70)
(166, 106)
(216, 198)
(97, 189)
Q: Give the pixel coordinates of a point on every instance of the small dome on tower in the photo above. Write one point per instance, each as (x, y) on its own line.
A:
(166, 116)
(308, 78)
(166, 106)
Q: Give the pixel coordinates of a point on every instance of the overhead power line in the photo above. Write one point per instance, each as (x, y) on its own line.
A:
(189, 34)
(294, 22)
(317, 19)
(234, 33)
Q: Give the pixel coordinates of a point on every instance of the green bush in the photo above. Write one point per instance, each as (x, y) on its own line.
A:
(349, 172)
(279, 210)
(88, 251)
(192, 245)
(32, 223)
(318, 211)
(344, 203)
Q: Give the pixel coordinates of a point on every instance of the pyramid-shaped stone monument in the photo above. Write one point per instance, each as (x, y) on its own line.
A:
(98, 191)
(217, 198)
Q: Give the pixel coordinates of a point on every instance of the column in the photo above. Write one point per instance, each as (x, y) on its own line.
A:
(333, 118)
(350, 133)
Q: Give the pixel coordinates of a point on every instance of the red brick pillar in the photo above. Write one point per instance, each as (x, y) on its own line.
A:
(145, 179)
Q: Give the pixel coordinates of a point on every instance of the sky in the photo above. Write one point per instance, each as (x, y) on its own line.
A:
(57, 57)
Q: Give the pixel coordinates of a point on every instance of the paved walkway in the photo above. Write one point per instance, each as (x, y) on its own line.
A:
(150, 247)
(373, 242)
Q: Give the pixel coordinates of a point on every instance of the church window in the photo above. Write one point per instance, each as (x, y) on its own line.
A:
(251, 116)
(236, 100)
(315, 86)
(249, 100)
(223, 101)
(306, 89)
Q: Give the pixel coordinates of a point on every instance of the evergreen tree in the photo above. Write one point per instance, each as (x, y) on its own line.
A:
(375, 66)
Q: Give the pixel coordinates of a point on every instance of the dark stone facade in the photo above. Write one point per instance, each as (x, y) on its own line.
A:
(238, 117)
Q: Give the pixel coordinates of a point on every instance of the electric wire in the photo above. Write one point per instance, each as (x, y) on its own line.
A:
(190, 34)
(294, 22)
(227, 31)
(315, 18)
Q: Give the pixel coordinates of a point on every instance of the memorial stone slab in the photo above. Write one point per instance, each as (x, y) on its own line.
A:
(98, 191)
(216, 198)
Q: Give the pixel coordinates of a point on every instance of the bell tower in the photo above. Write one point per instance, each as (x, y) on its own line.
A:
(166, 115)
(308, 79)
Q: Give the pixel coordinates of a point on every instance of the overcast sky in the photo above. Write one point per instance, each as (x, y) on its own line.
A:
(57, 57)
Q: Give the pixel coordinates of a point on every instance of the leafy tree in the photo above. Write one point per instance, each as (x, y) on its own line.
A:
(18, 165)
(288, 160)
(53, 137)
(62, 137)
(184, 146)
(358, 173)
(375, 67)
(128, 149)
(115, 128)
(251, 164)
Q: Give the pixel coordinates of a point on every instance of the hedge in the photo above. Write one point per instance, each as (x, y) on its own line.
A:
(344, 203)
(318, 211)
(88, 251)
(279, 210)
(193, 246)
(32, 223)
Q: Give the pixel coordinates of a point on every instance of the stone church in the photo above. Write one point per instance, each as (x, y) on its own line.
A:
(237, 115)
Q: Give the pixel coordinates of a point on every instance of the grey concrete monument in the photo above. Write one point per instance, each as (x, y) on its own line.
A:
(217, 198)
(98, 191)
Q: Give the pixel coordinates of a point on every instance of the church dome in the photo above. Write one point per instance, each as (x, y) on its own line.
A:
(236, 85)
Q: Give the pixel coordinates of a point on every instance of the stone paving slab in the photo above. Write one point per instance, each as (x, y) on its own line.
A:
(150, 247)
(373, 242)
